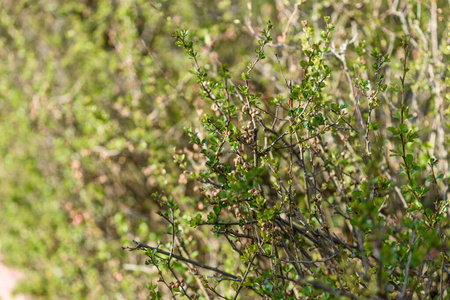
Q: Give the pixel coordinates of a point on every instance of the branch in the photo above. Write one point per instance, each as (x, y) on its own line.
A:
(140, 246)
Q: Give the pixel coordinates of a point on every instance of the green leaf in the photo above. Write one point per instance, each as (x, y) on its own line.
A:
(217, 210)
(245, 76)
(393, 130)
(374, 126)
(214, 140)
(409, 158)
(425, 190)
(403, 128)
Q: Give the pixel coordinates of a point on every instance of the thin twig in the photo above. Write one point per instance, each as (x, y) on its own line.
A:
(244, 277)
(141, 246)
(408, 265)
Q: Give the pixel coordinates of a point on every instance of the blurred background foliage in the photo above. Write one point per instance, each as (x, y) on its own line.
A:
(94, 96)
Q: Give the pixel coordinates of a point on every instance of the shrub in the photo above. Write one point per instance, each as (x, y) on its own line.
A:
(90, 103)
(329, 188)
(94, 96)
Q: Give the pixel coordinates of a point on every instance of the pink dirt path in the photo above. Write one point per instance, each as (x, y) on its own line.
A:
(8, 280)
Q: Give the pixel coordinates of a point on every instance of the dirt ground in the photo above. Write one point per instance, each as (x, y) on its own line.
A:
(8, 280)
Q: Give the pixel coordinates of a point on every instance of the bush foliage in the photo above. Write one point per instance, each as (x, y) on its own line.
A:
(313, 163)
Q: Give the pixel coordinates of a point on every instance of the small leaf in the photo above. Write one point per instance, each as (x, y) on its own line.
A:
(409, 159)
(393, 130)
(403, 128)
(245, 76)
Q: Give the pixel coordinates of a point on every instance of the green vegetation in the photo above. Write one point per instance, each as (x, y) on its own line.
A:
(294, 151)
